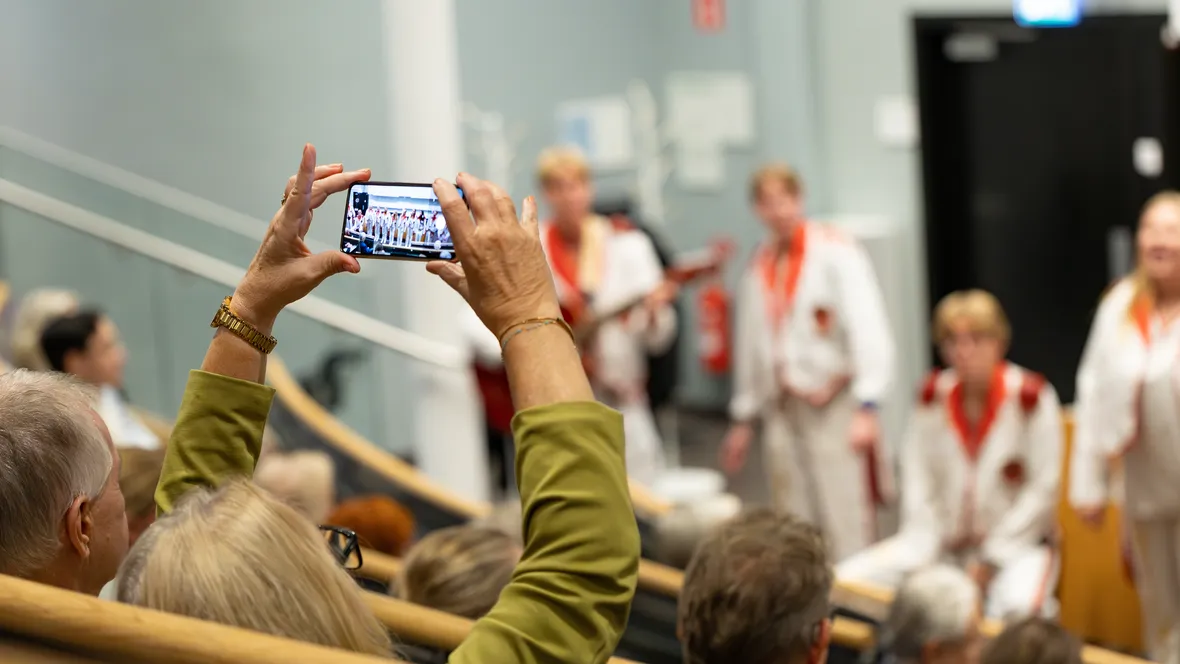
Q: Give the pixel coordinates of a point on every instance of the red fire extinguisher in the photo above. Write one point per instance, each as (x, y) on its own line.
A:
(714, 327)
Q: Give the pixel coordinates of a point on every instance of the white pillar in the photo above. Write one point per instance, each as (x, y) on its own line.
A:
(422, 61)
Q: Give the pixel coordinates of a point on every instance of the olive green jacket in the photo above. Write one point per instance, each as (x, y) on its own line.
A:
(571, 593)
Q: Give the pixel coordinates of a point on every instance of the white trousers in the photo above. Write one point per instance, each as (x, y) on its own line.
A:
(644, 447)
(1022, 588)
(1156, 545)
(814, 473)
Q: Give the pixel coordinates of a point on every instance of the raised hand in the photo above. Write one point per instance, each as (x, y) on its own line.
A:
(503, 275)
(284, 269)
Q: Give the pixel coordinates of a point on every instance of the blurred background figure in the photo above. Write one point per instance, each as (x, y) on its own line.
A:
(980, 471)
(87, 345)
(36, 310)
(813, 362)
(1034, 640)
(935, 619)
(1127, 409)
(380, 523)
(304, 480)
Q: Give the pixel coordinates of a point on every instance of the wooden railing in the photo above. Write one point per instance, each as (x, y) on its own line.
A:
(427, 627)
(94, 628)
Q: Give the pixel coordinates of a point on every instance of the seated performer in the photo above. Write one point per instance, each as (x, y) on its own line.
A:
(980, 467)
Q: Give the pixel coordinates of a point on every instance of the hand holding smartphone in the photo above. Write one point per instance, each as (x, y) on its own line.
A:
(395, 220)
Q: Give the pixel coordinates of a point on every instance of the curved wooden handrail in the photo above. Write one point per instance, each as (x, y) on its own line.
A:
(111, 630)
(444, 631)
(346, 440)
(25, 652)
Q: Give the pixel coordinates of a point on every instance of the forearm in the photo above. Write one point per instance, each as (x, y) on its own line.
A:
(544, 368)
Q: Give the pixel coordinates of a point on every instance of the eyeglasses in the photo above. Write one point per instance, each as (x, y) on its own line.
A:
(343, 544)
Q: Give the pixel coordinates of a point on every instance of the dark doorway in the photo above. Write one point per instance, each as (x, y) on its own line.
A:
(1031, 189)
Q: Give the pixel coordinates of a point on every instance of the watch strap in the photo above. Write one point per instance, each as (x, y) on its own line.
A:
(226, 318)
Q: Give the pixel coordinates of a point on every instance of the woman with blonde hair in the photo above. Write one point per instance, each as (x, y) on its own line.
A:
(239, 556)
(36, 310)
(459, 570)
(1126, 411)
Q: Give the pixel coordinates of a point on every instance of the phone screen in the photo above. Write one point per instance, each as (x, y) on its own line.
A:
(395, 220)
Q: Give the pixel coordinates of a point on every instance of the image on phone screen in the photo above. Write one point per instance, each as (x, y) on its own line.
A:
(395, 220)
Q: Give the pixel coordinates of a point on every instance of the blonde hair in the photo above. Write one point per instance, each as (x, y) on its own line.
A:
(980, 308)
(460, 570)
(305, 480)
(238, 556)
(775, 172)
(36, 310)
(505, 517)
(1142, 288)
(556, 161)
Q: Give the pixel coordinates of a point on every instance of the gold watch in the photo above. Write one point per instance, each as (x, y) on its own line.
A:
(243, 330)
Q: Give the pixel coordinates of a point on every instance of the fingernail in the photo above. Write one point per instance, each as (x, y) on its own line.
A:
(337, 165)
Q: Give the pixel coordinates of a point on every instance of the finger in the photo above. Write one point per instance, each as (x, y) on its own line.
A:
(320, 172)
(300, 197)
(529, 218)
(451, 273)
(504, 204)
(479, 199)
(334, 183)
(456, 214)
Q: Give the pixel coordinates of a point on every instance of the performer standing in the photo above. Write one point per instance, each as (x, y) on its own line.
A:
(599, 266)
(1128, 410)
(981, 468)
(813, 359)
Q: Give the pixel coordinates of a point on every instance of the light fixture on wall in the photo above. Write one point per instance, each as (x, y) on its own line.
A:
(1047, 13)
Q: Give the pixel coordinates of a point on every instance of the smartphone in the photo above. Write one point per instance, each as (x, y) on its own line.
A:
(395, 220)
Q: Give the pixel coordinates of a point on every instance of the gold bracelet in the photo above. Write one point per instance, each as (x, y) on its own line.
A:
(245, 331)
(532, 324)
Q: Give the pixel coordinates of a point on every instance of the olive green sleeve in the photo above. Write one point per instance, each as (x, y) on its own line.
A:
(217, 435)
(571, 593)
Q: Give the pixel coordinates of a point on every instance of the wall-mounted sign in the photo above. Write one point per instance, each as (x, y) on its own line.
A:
(1047, 13)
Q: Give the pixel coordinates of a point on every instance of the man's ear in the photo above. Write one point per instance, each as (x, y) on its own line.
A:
(80, 526)
(823, 641)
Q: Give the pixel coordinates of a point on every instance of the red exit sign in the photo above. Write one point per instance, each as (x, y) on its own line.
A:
(708, 15)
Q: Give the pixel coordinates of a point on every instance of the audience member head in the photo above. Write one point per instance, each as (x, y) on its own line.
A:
(62, 519)
(1158, 242)
(138, 478)
(757, 591)
(777, 193)
(460, 570)
(505, 516)
(972, 334)
(304, 480)
(1034, 641)
(240, 557)
(679, 531)
(36, 310)
(380, 523)
(934, 619)
(85, 344)
(564, 175)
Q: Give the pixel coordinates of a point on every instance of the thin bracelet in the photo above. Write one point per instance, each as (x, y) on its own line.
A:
(532, 324)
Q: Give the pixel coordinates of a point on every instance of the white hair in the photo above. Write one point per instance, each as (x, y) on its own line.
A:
(933, 605)
(51, 452)
(37, 309)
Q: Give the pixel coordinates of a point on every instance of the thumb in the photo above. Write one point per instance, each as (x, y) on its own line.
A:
(327, 263)
(529, 216)
(451, 273)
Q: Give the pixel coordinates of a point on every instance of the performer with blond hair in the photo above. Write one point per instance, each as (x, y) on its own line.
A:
(981, 467)
(813, 359)
(1127, 412)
